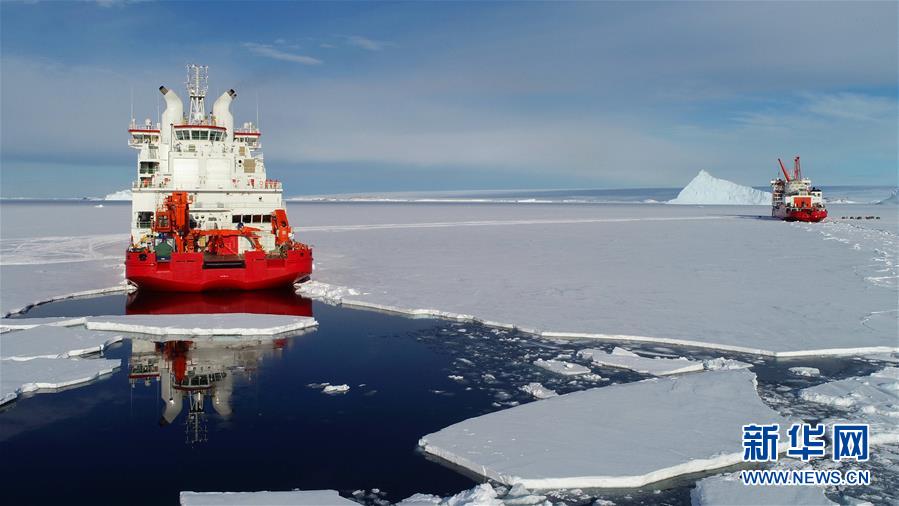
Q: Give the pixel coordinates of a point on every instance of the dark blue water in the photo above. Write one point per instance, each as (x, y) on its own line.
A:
(257, 420)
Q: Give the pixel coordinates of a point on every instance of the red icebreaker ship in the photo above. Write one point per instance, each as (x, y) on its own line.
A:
(204, 214)
(794, 198)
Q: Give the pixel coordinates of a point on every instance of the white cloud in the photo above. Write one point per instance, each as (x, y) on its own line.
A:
(271, 52)
(366, 43)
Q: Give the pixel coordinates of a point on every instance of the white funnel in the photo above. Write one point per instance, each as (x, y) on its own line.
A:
(173, 114)
(221, 111)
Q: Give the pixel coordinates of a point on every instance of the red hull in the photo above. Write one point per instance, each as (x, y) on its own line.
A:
(188, 272)
(809, 215)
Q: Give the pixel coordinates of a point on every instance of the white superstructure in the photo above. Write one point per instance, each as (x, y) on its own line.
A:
(220, 166)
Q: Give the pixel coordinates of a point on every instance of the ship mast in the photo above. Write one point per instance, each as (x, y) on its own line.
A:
(197, 85)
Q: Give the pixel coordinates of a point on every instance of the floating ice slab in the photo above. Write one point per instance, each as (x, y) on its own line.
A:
(562, 367)
(808, 372)
(624, 435)
(709, 190)
(28, 323)
(728, 490)
(289, 498)
(538, 390)
(480, 495)
(242, 324)
(19, 377)
(46, 341)
(625, 359)
(870, 399)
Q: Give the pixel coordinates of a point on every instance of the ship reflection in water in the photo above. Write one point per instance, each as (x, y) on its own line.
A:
(283, 302)
(201, 373)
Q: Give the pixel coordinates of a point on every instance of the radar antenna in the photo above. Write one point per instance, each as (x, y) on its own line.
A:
(197, 85)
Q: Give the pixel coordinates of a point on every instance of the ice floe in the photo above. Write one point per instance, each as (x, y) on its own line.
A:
(230, 324)
(561, 367)
(28, 323)
(809, 372)
(46, 341)
(716, 364)
(625, 435)
(266, 498)
(709, 190)
(538, 390)
(872, 399)
(728, 490)
(480, 495)
(624, 359)
(335, 389)
(20, 377)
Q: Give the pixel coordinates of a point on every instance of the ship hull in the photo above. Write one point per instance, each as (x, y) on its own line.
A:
(806, 215)
(192, 272)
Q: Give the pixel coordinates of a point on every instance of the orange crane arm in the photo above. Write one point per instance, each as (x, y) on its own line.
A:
(783, 169)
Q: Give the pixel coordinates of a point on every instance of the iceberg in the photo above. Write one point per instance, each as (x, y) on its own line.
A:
(47, 341)
(626, 435)
(229, 324)
(288, 498)
(624, 359)
(119, 195)
(728, 490)
(892, 200)
(20, 377)
(709, 190)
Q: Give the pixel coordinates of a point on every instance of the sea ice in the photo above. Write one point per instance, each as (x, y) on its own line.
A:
(808, 372)
(561, 367)
(538, 391)
(28, 323)
(707, 189)
(625, 435)
(46, 341)
(710, 272)
(625, 359)
(870, 399)
(719, 363)
(480, 495)
(266, 498)
(336, 389)
(19, 377)
(230, 324)
(728, 490)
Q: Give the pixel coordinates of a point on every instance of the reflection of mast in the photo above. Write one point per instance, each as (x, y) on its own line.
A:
(193, 371)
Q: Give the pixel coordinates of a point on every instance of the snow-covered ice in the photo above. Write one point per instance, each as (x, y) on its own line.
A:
(481, 495)
(28, 323)
(728, 490)
(561, 367)
(709, 272)
(808, 372)
(872, 399)
(716, 364)
(266, 498)
(20, 377)
(336, 389)
(625, 435)
(45, 341)
(624, 359)
(706, 189)
(538, 390)
(230, 324)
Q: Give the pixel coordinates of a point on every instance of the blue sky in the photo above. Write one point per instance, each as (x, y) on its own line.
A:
(358, 97)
